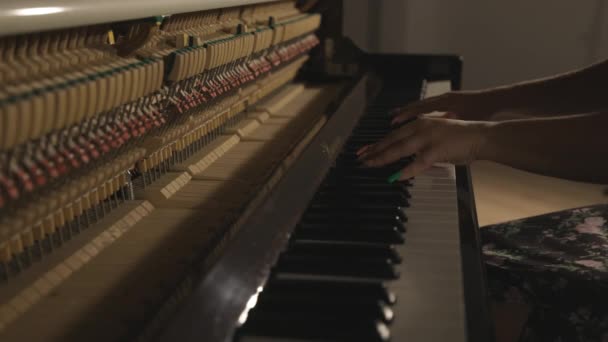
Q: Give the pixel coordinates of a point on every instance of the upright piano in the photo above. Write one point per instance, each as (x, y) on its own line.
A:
(185, 171)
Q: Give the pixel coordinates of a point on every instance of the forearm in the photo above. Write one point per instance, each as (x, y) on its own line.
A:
(573, 147)
(578, 91)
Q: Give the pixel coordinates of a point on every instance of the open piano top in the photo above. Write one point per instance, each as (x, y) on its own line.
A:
(159, 174)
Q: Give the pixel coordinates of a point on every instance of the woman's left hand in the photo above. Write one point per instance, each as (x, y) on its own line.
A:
(432, 140)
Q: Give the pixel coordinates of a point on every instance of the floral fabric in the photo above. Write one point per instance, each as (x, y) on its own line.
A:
(557, 264)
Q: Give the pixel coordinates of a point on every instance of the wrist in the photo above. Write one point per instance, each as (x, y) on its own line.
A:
(487, 138)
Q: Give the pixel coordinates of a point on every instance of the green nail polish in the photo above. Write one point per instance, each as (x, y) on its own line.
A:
(394, 177)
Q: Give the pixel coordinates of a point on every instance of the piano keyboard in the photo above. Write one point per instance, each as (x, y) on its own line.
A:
(368, 260)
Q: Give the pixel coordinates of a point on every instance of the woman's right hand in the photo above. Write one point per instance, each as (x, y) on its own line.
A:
(462, 105)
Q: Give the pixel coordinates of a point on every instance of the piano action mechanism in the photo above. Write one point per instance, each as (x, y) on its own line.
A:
(161, 171)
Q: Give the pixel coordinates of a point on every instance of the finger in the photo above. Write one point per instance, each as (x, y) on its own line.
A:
(363, 149)
(398, 150)
(424, 106)
(404, 115)
(450, 115)
(437, 103)
(418, 106)
(393, 137)
(423, 161)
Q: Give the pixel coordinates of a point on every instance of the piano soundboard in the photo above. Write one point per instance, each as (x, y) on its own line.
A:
(186, 172)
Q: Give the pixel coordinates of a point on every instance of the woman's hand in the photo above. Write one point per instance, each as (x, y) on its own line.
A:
(567, 146)
(431, 140)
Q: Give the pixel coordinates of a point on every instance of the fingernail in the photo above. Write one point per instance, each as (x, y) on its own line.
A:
(394, 177)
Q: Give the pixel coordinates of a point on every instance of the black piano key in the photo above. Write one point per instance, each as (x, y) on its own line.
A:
(338, 267)
(373, 188)
(301, 308)
(349, 250)
(382, 235)
(363, 133)
(370, 189)
(366, 134)
(357, 218)
(397, 199)
(366, 123)
(349, 158)
(350, 163)
(355, 167)
(385, 204)
(315, 329)
(329, 289)
(350, 182)
(359, 173)
(379, 174)
(363, 181)
(364, 139)
(327, 283)
(358, 212)
(327, 223)
(357, 206)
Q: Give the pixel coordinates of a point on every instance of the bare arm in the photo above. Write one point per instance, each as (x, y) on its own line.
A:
(579, 91)
(573, 147)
